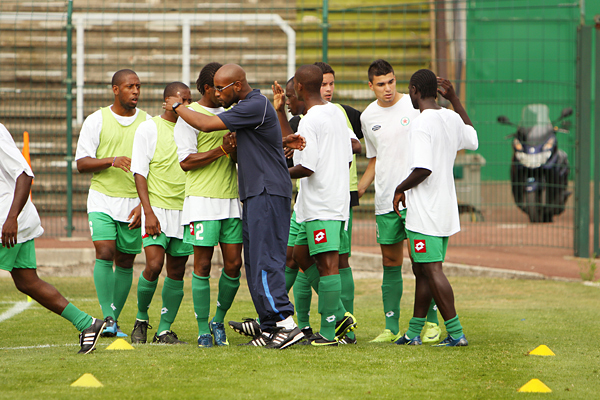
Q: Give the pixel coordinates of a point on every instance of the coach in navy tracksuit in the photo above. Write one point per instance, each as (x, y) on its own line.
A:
(265, 189)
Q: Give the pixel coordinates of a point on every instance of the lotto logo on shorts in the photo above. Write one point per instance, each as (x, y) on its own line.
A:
(420, 246)
(192, 229)
(320, 236)
(145, 236)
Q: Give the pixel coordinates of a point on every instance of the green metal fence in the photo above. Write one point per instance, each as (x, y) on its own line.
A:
(501, 56)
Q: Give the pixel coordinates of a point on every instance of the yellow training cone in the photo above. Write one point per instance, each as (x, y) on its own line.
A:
(535, 386)
(87, 380)
(120, 344)
(542, 350)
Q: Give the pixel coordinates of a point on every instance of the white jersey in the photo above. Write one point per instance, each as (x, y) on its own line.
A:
(118, 208)
(324, 195)
(386, 137)
(12, 165)
(435, 137)
(197, 208)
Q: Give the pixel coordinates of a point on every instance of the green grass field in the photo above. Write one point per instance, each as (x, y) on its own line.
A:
(503, 320)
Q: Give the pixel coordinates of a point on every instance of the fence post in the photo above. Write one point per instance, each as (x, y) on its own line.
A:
(583, 142)
(325, 27)
(596, 197)
(69, 97)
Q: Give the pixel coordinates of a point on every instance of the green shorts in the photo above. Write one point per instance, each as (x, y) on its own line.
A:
(22, 255)
(323, 236)
(346, 243)
(172, 246)
(103, 227)
(294, 229)
(427, 249)
(211, 233)
(390, 227)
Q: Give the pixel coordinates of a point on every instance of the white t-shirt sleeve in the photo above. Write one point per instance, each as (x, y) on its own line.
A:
(421, 149)
(186, 139)
(310, 154)
(12, 161)
(371, 149)
(469, 138)
(89, 136)
(144, 147)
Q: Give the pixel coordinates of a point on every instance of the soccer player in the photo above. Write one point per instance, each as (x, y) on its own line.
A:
(432, 209)
(265, 189)
(212, 210)
(385, 124)
(104, 149)
(323, 200)
(20, 225)
(160, 184)
(302, 289)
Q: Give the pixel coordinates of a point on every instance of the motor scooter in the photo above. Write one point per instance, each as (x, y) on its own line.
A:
(539, 172)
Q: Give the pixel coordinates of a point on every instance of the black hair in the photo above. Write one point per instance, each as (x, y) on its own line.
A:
(379, 68)
(173, 87)
(120, 75)
(310, 77)
(426, 83)
(325, 68)
(207, 76)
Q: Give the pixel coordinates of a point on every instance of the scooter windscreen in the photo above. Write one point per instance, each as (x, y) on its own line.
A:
(535, 124)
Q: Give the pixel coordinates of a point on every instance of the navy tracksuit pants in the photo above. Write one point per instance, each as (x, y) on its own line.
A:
(265, 227)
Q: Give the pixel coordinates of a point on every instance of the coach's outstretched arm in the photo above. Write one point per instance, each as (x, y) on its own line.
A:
(204, 123)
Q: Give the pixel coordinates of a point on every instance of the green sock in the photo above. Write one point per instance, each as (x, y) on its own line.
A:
(415, 326)
(302, 300)
(77, 317)
(330, 288)
(172, 294)
(454, 328)
(432, 314)
(104, 280)
(228, 288)
(145, 292)
(201, 297)
(123, 279)
(391, 293)
(347, 295)
(313, 277)
(290, 277)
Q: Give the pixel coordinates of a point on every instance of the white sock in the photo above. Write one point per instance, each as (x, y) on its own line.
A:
(287, 323)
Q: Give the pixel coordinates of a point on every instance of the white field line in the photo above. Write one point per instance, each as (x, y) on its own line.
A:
(16, 309)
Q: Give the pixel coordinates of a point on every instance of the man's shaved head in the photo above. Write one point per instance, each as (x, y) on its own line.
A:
(310, 77)
(120, 76)
(230, 73)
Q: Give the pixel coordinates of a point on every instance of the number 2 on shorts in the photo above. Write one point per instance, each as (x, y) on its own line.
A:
(199, 230)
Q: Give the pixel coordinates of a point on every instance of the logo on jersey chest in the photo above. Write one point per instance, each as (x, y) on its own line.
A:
(375, 128)
(320, 236)
(420, 246)
(405, 121)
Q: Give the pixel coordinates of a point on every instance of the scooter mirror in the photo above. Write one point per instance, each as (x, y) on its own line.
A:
(566, 112)
(504, 120)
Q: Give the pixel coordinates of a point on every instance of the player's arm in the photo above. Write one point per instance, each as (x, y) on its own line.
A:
(279, 105)
(199, 160)
(152, 224)
(10, 227)
(356, 146)
(90, 164)
(368, 177)
(298, 171)
(415, 178)
(447, 91)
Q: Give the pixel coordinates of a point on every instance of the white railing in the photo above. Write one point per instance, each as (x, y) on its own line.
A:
(83, 21)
